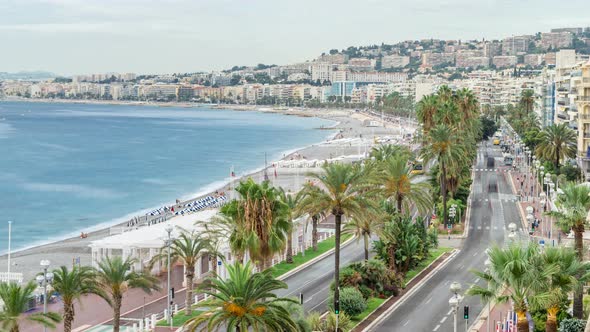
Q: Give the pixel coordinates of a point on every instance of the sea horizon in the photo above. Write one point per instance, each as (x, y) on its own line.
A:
(65, 139)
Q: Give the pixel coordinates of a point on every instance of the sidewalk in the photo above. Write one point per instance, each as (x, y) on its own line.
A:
(497, 314)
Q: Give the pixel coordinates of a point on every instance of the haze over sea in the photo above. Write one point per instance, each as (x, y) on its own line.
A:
(68, 167)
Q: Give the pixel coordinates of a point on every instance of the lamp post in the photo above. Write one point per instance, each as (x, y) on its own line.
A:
(454, 301)
(512, 229)
(169, 229)
(43, 281)
(488, 265)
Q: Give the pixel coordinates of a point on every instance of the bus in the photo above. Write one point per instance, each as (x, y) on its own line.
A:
(417, 167)
(508, 159)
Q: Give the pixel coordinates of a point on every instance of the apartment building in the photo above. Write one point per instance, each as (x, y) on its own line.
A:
(556, 39)
(583, 104)
(533, 60)
(394, 61)
(431, 59)
(515, 45)
(361, 64)
(505, 61)
(321, 71)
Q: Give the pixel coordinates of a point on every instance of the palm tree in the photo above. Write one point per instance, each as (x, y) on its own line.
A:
(308, 206)
(444, 146)
(263, 217)
(188, 248)
(399, 185)
(386, 151)
(427, 108)
(558, 142)
(512, 276)
(561, 283)
(573, 205)
(226, 228)
(16, 300)
(527, 100)
(343, 193)
(243, 301)
(72, 285)
(115, 277)
(363, 228)
(292, 202)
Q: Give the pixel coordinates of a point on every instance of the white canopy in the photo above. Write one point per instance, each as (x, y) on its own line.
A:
(152, 236)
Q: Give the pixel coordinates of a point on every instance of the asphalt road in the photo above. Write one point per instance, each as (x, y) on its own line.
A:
(493, 207)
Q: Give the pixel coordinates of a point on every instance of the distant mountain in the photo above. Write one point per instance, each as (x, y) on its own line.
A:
(27, 75)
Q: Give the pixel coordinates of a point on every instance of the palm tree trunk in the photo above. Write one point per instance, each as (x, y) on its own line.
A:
(391, 252)
(214, 267)
(338, 218)
(290, 246)
(314, 232)
(366, 242)
(399, 203)
(117, 313)
(522, 324)
(579, 293)
(15, 328)
(68, 316)
(551, 323)
(443, 185)
(190, 275)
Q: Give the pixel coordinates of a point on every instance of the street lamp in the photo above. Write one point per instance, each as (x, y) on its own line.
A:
(43, 280)
(512, 229)
(168, 230)
(488, 265)
(454, 301)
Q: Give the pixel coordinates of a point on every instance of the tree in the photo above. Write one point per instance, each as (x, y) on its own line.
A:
(188, 248)
(342, 193)
(445, 147)
(512, 276)
(16, 300)
(224, 227)
(72, 285)
(263, 219)
(363, 228)
(308, 206)
(292, 202)
(425, 111)
(527, 100)
(399, 185)
(573, 206)
(115, 277)
(243, 301)
(558, 142)
(563, 281)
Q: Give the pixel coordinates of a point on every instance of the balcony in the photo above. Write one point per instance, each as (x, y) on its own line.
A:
(583, 99)
(584, 116)
(586, 135)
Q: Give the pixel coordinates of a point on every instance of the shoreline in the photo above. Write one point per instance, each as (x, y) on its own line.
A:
(69, 247)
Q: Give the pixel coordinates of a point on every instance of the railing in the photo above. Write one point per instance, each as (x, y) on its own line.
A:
(583, 98)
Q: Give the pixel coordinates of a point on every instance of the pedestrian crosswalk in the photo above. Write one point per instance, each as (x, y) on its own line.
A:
(505, 200)
(502, 170)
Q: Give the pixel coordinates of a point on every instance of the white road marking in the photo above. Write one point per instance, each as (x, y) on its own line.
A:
(461, 266)
(406, 323)
(429, 299)
(477, 280)
(488, 228)
(475, 254)
(495, 228)
(478, 227)
(450, 312)
(444, 319)
(446, 282)
(436, 327)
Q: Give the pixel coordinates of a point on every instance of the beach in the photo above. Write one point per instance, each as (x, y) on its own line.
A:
(352, 138)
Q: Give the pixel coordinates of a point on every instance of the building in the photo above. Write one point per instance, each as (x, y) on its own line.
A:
(556, 40)
(575, 31)
(533, 60)
(583, 105)
(361, 64)
(515, 45)
(550, 58)
(431, 59)
(376, 77)
(338, 58)
(565, 59)
(505, 61)
(342, 89)
(394, 61)
(491, 49)
(321, 71)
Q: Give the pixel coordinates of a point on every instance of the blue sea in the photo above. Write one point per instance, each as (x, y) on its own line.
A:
(71, 167)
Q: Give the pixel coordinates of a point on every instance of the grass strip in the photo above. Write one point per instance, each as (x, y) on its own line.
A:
(432, 256)
(324, 246)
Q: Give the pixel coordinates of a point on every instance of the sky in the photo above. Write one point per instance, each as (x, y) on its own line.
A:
(145, 36)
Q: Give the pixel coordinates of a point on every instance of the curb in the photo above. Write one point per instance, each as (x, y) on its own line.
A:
(414, 289)
(467, 213)
(313, 261)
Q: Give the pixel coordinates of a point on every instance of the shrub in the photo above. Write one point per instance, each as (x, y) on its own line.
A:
(572, 325)
(344, 323)
(366, 291)
(352, 301)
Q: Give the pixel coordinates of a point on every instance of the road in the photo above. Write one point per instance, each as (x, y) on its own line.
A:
(493, 207)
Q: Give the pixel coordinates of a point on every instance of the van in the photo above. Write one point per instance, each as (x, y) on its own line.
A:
(496, 141)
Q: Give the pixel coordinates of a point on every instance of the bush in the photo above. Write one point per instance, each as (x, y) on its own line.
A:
(352, 301)
(344, 323)
(572, 325)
